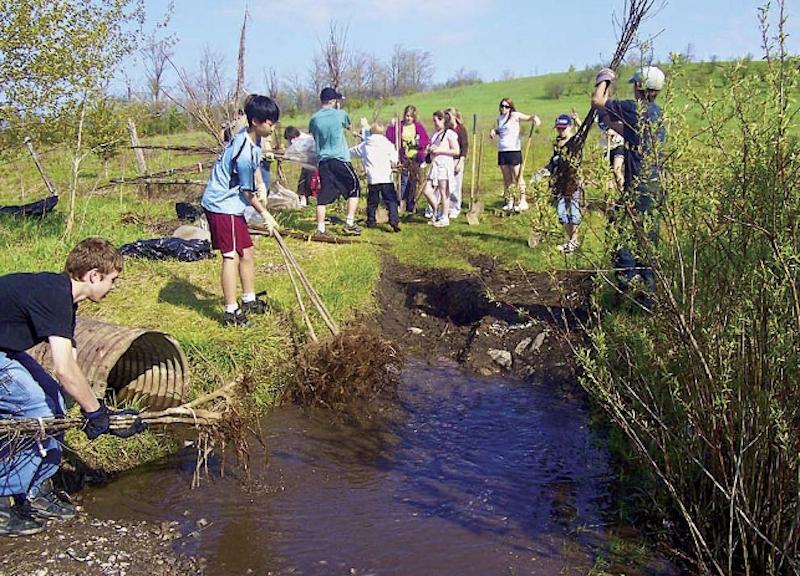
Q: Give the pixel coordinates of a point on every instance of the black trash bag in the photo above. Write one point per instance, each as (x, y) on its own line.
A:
(168, 248)
(39, 208)
(186, 211)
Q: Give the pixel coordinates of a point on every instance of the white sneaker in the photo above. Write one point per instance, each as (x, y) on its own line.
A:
(509, 207)
(429, 212)
(442, 222)
(453, 214)
(522, 205)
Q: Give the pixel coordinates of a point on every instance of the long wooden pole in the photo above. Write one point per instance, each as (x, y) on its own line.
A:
(47, 182)
(474, 160)
(140, 163)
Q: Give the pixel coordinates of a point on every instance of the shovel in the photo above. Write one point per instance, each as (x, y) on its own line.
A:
(475, 206)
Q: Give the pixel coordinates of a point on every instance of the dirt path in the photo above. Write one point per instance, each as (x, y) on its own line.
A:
(490, 321)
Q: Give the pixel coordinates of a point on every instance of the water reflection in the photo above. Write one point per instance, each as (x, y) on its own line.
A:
(467, 476)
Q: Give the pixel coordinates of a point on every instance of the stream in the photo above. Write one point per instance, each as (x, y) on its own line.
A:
(468, 475)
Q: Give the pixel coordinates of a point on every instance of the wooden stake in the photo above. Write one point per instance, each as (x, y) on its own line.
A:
(47, 182)
(140, 163)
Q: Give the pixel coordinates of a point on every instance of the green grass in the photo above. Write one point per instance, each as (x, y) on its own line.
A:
(184, 299)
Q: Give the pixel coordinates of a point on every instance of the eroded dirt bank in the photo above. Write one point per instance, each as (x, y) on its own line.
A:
(489, 321)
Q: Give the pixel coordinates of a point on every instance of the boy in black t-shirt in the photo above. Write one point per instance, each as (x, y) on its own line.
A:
(38, 308)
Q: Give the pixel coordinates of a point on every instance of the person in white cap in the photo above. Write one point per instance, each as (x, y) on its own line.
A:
(644, 134)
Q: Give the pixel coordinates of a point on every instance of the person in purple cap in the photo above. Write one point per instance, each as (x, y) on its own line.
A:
(337, 177)
(568, 199)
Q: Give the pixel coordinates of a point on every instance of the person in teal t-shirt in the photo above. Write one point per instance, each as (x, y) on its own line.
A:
(336, 173)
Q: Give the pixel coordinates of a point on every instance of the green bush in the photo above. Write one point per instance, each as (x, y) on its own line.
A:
(706, 387)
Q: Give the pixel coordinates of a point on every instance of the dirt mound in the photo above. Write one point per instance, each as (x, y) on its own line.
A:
(491, 321)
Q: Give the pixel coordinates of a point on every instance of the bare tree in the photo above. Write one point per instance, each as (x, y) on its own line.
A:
(334, 56)
(409, 70)
(271, 82)
(298, 93)
(239, 92)
(156, 55)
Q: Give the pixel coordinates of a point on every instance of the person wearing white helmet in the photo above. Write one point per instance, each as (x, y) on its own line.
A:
(643, 133)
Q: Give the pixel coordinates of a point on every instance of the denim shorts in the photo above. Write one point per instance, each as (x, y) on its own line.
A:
(569, 210)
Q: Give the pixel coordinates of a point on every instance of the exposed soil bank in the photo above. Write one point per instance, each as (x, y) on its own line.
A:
(493, 321)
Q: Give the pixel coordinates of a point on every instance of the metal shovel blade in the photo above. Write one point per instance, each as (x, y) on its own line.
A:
(473, 216)
(381, 215)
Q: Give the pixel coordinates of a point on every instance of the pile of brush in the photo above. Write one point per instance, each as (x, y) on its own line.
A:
(356, 367)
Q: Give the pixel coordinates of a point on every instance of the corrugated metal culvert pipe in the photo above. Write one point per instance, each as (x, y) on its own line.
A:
(130, 363)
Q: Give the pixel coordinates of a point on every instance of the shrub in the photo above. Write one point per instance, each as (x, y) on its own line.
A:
(706, 387)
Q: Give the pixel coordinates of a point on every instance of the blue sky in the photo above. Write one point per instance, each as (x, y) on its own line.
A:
(521, 37)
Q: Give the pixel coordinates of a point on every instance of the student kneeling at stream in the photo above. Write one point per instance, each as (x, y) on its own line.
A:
(41, 308)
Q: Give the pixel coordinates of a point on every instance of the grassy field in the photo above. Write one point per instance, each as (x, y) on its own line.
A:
(185, 299)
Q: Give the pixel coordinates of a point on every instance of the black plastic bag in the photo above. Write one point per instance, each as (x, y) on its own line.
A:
(169, 248)
(186, 211)
(39, 208)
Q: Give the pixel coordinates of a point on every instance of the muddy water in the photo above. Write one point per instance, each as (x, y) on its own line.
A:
(470, 476)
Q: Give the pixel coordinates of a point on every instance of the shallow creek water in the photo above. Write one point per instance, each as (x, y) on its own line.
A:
(470, 476)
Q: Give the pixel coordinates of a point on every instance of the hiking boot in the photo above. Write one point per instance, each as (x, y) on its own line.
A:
(17, 521)
(351, 230)
(257, 306)
(49, 503)
(237, 319)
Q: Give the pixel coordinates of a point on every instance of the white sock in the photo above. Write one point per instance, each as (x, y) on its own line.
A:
(321, 228)
(231, 308)
(350, 221)
(249, 297)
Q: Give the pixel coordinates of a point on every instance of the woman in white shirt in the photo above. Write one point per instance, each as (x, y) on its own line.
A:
(509, 153)
(443, 151)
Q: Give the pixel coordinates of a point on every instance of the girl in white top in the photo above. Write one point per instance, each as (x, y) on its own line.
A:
(509, 153)
(443, 151)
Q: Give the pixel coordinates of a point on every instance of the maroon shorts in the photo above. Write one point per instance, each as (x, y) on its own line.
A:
(228, 233)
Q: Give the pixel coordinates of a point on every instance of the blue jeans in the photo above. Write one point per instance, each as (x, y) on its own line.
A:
(27, 391)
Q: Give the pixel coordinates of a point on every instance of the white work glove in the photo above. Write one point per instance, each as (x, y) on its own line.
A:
(605, 75)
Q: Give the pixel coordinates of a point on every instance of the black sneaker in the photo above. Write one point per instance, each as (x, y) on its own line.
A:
(237, 319)
(395, 227)
(16, 520)
(257, 306)
(50, 503)
(351, 230)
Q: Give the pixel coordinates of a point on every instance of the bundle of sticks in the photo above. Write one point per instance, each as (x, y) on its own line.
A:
(566, 174)
(189, 414)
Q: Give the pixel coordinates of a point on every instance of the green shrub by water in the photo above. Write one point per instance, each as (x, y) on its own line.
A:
(707, 387)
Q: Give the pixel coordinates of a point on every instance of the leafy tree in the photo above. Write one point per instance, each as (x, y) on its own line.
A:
(56, 57)
(55, 54)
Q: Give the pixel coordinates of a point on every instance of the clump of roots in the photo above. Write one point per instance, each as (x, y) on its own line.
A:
(357, 367)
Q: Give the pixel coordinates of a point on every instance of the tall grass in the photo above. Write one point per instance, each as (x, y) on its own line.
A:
(706, 387)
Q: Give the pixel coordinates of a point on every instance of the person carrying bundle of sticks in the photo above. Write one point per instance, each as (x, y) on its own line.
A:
(644, 135)
(40, 307)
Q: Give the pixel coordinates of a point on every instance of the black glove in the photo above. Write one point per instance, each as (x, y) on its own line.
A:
(138, 424)
(99, 422)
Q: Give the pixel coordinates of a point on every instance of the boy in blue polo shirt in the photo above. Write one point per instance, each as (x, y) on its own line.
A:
(336, 173)
(231, 188)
